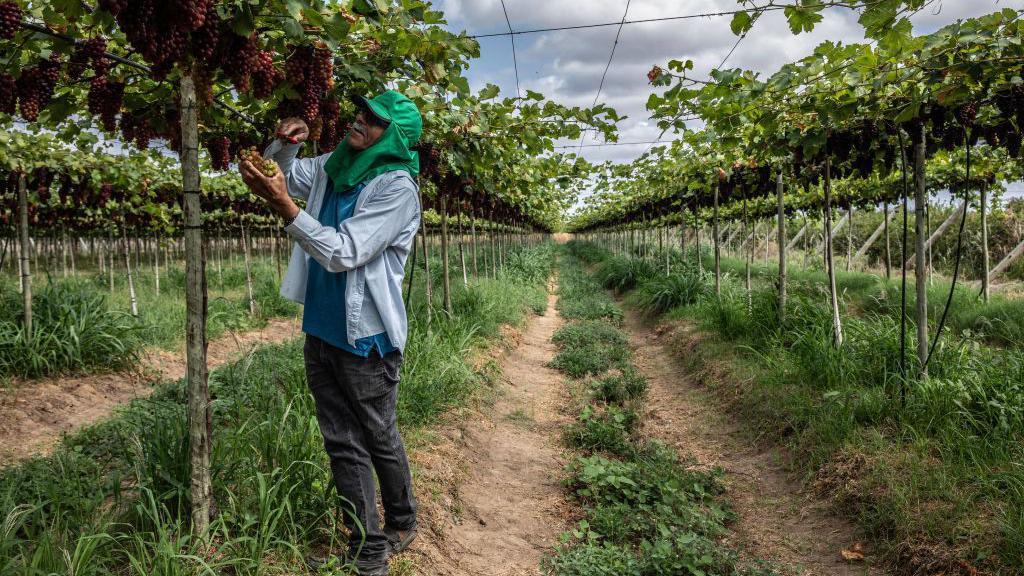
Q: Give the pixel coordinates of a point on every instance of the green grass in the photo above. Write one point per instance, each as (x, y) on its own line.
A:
(928, 468)
(80, 325)
(589, 347)
(74, 329)
(113, 498)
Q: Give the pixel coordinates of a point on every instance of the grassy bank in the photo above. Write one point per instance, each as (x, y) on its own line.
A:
(928, 468)
(645, 512)
(80, 324)
(113, 498)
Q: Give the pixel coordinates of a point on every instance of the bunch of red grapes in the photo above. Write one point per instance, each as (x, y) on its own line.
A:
(35, 86)
(10, 19)
(105, 98)
(311, 70)
(219, 148)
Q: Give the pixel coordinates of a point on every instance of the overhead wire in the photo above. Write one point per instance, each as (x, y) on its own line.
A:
(607, 66)
(512, 37)
(760, 9)
(603, 144)
(719, 67)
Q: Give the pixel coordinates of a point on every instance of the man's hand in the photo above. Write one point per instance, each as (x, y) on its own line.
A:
(292, 130)
(272, 189)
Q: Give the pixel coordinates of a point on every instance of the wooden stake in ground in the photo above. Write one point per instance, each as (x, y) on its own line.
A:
(462, 250)
(888, 245)
(920, 268)
(849, 238)
(718, 247)
(447, 283)
(195, 304)
(984, 243)
(128, 271)
(248, 269)
(472, 231)
(23, 257)
(156, 264)
(748, 256)
(426, 271)
(782, 248)
(837, 322)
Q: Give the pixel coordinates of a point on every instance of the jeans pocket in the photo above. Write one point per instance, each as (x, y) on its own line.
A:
(391, 367)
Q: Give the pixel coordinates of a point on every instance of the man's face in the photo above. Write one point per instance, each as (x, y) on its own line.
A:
(366, 130)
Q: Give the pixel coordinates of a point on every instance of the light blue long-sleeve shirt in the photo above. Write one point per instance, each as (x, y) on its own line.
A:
(371, 246)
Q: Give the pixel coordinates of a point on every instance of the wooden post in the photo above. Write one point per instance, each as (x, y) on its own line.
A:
(696, 241)
(23, 258)
(156, 264)
(426, 274)
(782, 249)
(248, 268)
(665, 251)
(849, 239)
(444, 254)
(64, 254)
(837, 323)
(718, 247)
(110, 262)
(494, 256)
(195, 304)
(128, 270)
(984, 244)
(748, 256)
(472, 230)
(921, 272)
(888, 244)
(462, 251)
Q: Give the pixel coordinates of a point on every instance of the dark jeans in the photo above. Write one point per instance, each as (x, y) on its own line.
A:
(355, 405)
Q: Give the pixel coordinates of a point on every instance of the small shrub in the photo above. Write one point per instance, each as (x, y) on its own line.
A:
(663, 293)
(623, 274)
(73, 329)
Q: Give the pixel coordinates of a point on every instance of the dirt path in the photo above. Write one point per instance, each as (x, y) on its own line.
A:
(776, 520)
(35, 415)
(508, 510)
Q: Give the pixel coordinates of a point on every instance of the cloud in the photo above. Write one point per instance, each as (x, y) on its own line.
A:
(567, 66)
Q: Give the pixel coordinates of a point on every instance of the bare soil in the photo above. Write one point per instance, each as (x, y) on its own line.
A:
(36, 414)
(776, 519)
(491, 502)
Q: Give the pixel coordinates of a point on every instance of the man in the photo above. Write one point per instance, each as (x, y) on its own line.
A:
(352, 243)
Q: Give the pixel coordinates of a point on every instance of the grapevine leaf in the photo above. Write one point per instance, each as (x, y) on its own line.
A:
(741, 23)
(803, 18)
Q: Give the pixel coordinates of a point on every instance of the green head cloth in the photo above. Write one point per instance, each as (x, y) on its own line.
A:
(347, 167)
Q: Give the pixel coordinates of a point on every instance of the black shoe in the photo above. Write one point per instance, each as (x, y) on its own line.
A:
(315, 563)
(400, 539)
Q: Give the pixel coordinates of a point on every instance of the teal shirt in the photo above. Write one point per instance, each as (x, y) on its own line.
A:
(324, 313)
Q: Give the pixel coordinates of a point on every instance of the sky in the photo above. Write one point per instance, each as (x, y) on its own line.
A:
(566, 66)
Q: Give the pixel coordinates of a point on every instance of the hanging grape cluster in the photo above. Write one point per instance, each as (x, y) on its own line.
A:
(219, 148)
(105, 97)
(311, 70)
(10, 19)
(8, 94)
(137, 129)
(330, 132)
(35, 86)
